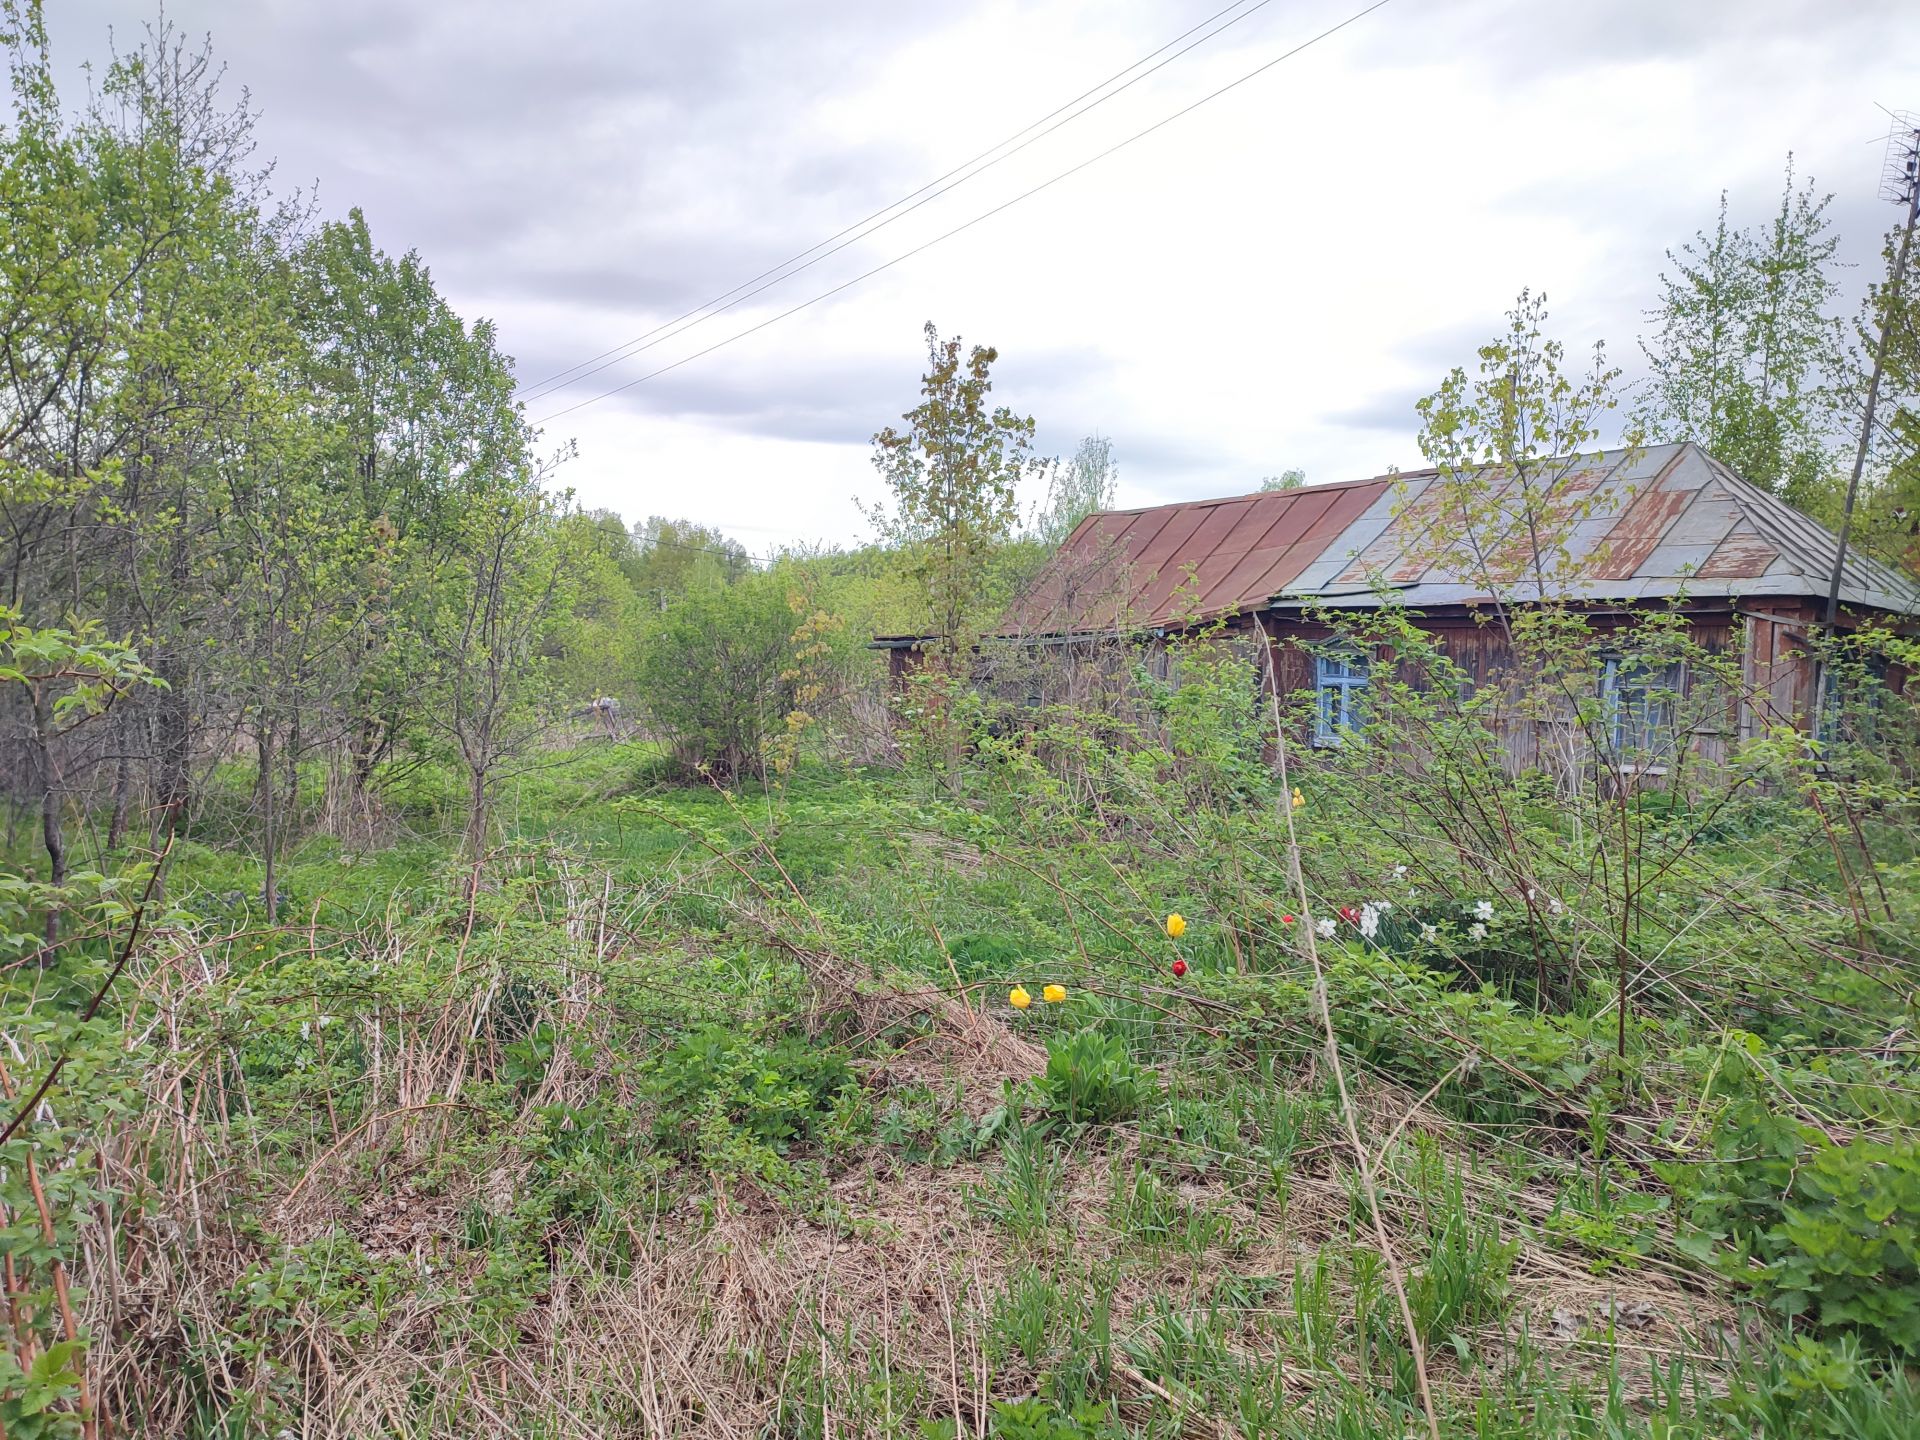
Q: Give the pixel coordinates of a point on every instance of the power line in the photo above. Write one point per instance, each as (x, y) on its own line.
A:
(741, 554)
(968, 225)
(593, 366)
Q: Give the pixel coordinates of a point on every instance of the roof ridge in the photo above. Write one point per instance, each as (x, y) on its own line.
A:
(1789, 531)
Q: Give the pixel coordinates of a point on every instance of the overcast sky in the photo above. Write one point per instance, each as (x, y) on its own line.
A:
(1267, 282)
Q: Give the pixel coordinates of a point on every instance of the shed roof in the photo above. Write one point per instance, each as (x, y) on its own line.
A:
(1652, 522)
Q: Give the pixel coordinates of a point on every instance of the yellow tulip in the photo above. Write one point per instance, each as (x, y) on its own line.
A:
(1176, 926)
(1054, 994)
(1018, 998)
(1298, 798)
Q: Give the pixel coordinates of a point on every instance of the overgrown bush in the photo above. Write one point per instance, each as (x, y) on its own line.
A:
(713, 673)
(1833, 1226)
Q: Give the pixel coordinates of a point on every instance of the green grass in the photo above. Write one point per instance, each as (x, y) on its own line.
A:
(624, 1068)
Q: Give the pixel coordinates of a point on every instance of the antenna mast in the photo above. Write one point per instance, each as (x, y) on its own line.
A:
(1899, 185)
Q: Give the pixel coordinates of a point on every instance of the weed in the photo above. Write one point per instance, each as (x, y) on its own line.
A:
(1092, 1079)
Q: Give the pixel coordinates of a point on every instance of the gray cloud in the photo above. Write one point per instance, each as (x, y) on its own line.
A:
(588, 172)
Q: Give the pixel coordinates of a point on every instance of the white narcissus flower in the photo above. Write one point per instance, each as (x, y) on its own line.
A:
(1554, 907)
(1399, 872)
(1483, 910)
(1324, 929)
(1430, 934)
(1476, 931)
(1370, 920)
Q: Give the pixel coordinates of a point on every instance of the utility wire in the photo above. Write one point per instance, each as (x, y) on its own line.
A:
(727, 299)
(968, 225)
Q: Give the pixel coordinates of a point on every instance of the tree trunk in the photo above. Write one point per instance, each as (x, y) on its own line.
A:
(290, 801)
(51, 832)
(269, 834)
(478, 815)
(122, 792)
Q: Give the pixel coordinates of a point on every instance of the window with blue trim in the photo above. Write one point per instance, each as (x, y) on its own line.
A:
(1848, 697)
(1639, 701)
(1339, 686)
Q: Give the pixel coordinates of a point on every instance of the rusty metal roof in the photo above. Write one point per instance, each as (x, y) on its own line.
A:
(1174, 564)
(1654, 522)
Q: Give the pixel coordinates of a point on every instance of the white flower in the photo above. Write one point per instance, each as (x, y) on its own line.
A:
(305, 1030)
(1399, 872)
(1532, 894)
(1430, 934)
(1554, 907)
(1324, 929)
(1370, 920)
(1476, 931)
(1483, 909)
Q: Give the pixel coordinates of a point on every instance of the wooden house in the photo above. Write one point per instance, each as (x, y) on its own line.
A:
(1665, 526)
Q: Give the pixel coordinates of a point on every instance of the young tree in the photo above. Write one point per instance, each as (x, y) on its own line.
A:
(498, 603)
(1085, 484)
(1285, 480)
(1887, 520)
(419, 422)
(69, 676)
(955, 472)
(1505, 442)
(1747, 357)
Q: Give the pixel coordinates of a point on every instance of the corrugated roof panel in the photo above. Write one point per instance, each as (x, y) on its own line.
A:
(1661, 520)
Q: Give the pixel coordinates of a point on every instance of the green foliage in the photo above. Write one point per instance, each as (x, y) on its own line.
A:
(1748, 358)
(713, 668)
(723, 1098)
(1026, 1194)
(1459, 1290)
(668, 558)
(1505, 444)
(1835, 1227)
(1092, 1079)
(955, 474)
(38, 1401)
(1041, 1420)
(1083, 485)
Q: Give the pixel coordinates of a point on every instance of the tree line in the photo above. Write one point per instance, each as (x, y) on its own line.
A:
(267, 502)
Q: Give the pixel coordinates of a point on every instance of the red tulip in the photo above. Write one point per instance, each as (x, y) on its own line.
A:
(1179, 968)
(1349, 914)
(1286, 919)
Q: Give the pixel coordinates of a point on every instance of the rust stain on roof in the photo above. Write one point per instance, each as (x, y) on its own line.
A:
(1637, 533)
(1741, 555)
(1239, 552)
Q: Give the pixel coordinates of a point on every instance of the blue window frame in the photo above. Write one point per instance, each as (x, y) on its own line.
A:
(1639, 701)
(1339, 686)
(1846, 706)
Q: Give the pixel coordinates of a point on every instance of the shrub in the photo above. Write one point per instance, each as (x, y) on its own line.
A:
(1835, 1227)
(712, 673)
